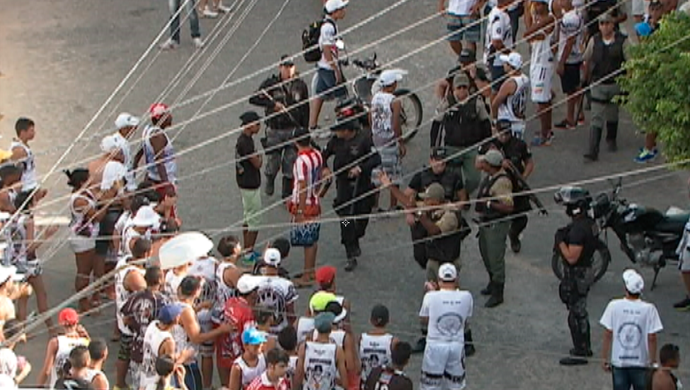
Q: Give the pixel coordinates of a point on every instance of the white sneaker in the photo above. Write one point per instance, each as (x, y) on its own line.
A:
(223, 9)
(198, 43)
(209, 14)
(170, 44)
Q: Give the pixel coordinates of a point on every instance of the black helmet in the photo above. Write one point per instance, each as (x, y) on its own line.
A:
(577, 200)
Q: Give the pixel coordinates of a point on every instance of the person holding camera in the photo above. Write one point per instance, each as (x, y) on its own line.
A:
(576, 244)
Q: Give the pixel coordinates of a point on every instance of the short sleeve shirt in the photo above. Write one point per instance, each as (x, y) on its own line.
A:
(248, 176)
(517, 152)
(448, 312)
(327, 37)
(570, 26)
(143, 308)
(503, 190)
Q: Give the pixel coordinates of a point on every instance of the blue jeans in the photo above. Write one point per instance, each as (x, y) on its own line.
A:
(173, 6)
(192, 377)
(625, 378)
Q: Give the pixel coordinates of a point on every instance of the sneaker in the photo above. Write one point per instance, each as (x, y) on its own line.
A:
(351, 264)
(223, 9)
(564, 125)
(207, 13)
(683, 305)
(515, 244)
(198, 43)
(170, 44)
(646, 156)
(572, 361)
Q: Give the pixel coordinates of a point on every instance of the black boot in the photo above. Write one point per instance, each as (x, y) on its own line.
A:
(594, 140)
(487, 291)
(469, 344)
(351, 251)
(611, 135)
(287, 187)
(269, 188)
(496, 296)
(515, 244)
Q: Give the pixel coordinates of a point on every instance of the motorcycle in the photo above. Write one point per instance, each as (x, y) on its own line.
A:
(647, 236)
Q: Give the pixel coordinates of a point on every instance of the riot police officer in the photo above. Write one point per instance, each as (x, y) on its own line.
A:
(452, 184)
(464, 125)
(576, 244)
(518, 163)
(494, 205)
(354, 159)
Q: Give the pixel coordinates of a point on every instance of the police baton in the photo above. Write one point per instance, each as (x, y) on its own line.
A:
(531, 196)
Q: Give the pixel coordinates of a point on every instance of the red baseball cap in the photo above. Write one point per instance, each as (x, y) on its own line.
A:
(68, 316)
(158, 109)
(325, 275)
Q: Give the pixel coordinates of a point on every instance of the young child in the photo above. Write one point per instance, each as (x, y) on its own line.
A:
(264, 321)
(287, 340)
(376, 345)
(251, 363)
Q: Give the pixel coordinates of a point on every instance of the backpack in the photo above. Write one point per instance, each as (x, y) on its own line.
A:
(310, 40)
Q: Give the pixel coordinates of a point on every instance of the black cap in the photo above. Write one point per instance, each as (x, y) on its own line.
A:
(347, 123)
(439, 153)
(249, 117)
(285, 60)
(467, 55)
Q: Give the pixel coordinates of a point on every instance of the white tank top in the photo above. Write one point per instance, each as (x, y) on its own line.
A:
(205, 268)
(182, 341)
(337, 337)
(167, 156)
(122, 294)
(382, 119)
(91, 375)
(65, 345)
(223, 291)
(305, 326)
(172, 282)
(153, 338)
(541, 51)
(291, 368)
(250, 373)
(28, 164)
(15, 237)
(319, 366)
(80, 222)
(7, 306)
(374, 351)
(513, 109)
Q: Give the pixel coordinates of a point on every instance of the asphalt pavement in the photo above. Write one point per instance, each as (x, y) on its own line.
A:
(61, 59)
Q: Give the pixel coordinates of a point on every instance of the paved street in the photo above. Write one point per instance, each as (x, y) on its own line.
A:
(63, 58)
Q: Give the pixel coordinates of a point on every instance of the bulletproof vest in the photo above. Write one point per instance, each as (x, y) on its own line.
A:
(281, 92)
(462, 125)
(590, 246)
(446, 248)
(607, 59)
(484, 191)
(447, 180)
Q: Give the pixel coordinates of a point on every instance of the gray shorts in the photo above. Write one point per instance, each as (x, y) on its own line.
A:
(463, 27)
(326, 86)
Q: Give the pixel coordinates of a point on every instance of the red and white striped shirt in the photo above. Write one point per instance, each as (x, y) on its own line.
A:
(307, 167)
(262, 383)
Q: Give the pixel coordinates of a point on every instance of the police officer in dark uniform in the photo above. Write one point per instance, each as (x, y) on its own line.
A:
(576, 244)
(465, 124)
(436, 172)
(518, 163)
(287, 94)
(354, 159)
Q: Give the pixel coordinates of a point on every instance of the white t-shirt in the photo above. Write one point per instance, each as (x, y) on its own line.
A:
(127, 152)
(570, 26)
(8, 362)
(631, 321)
(113, 172)
(328, 36)
(276, 293)
(448, 312)
(498, 29)
(460, 7)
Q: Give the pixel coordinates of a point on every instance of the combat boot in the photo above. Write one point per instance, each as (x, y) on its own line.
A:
(496, 296)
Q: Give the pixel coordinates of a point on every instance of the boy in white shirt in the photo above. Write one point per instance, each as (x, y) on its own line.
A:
(629, 346)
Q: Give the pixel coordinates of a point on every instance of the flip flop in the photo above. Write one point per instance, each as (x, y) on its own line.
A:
(299, 283)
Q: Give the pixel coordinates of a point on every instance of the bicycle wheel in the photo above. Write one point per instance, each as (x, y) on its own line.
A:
(411, 115)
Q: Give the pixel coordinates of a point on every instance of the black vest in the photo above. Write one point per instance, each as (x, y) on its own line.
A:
(484, 192)
(607, 59)
(446, 247)
(462, 125)
(447, 180)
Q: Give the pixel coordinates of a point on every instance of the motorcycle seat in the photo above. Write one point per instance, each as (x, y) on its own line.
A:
(673, 223)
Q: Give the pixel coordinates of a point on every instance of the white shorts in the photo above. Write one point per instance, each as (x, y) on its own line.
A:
(639, 7)
(206, 325)
(540, 77)
(684, 265)
(443, 366)
(80, 244)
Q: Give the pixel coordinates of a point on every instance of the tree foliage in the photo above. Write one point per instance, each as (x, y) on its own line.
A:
(657, 85)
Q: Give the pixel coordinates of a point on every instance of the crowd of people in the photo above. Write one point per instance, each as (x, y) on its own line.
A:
(236, 313)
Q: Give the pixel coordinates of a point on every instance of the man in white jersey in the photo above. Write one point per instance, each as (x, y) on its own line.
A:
(126, 126)
(22, 154)
(630, 340)
(98, 353)
(539, 32)
(276, 293)
(569, 60)
(511, 101)
(204, 268)
(499, 39)
(446, 312)
(321, 363)
(157, 149)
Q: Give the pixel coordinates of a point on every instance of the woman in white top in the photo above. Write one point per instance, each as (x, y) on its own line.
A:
(83, 229)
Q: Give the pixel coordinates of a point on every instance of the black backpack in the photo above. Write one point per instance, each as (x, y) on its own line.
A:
(310, 40)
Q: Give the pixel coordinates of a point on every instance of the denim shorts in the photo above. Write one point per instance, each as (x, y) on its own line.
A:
(467, 27)
(326, 85)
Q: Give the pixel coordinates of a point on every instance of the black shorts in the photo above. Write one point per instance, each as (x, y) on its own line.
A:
(106, 230)
(570, 81)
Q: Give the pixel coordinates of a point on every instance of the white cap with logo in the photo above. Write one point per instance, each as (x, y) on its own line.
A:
(633, 281)
(447, 272)
(126, 120)
(334, 5)
(272, 257)
(514, 59)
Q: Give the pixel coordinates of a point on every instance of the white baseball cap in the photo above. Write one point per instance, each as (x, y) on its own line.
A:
(9, 272)
(334, 5)
(126, 120)
(447, 272)
(513, 59)
(146, 216)
(248, 283)
(633, 281)
(272, 257)
(109, 144)
(391, 76)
